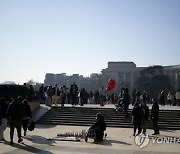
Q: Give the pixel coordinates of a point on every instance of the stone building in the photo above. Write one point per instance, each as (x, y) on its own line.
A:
(125, 73)
(174, 73)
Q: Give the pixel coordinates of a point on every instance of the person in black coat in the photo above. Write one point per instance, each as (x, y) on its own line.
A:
(137, 115)
(145, 117)
(126, 101)
(99, 126)
(14, 115)
(162, 98)
(74, 93)
(26, 115)
(155, 117)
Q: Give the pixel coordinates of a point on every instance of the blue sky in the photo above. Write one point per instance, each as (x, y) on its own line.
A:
(81, 36)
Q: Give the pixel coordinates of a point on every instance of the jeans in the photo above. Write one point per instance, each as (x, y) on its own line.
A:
(15, 124)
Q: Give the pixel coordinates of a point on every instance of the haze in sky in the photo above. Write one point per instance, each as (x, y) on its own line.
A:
(81, 36)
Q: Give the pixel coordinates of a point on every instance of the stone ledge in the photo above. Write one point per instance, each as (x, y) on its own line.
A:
(34, 105)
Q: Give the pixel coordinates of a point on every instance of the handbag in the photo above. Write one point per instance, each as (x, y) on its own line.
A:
(31, 126)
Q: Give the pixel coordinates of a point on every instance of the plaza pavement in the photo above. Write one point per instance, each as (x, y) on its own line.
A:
(118, 141)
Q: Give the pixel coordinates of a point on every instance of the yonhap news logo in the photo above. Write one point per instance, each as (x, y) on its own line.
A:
(142, 140)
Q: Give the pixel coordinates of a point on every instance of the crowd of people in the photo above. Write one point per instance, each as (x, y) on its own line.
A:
(72, 95)
(18, 112)
(139, 101)
(140, 117)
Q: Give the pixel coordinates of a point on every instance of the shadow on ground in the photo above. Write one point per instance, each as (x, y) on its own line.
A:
(110, 142)
(27, 148)
(39, 140)
(166, 130)
(44, 126)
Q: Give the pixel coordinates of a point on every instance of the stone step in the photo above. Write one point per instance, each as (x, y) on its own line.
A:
(112, 125)
(85, 116)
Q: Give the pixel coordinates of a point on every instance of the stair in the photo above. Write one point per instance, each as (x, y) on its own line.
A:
(85, 116)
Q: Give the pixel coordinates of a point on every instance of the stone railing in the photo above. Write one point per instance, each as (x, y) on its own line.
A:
(34, 105)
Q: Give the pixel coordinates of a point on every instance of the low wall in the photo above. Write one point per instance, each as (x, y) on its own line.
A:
(34, 105)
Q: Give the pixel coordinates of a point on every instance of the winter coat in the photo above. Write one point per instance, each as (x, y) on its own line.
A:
(137, 115)
(26, 112)
(15, 110)
(155, 112)
(145, 110)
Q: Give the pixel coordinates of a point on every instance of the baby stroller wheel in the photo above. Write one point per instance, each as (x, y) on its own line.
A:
(86, 139)
(105, 135)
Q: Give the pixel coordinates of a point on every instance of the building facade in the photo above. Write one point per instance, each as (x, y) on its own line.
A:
(126, 73)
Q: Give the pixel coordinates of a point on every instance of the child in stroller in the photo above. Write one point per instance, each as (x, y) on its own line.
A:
(119, 106)
(96, 131)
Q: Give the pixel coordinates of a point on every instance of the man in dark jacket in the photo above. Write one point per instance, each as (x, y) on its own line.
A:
(137, 115)
(126, 101)
(74, 93)
(155, 117)
(145, 118)
(99, 126)
(14, 115)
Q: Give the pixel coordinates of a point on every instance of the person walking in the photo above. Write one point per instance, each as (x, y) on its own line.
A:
(31, 93)
(56, 94)
(3, 120)
(162, 98)
(41, 93)
(177, 95)
(145, 116)
(26, 116)
(170, 98)
(49, 93)
(155, 117)
(102, 94)
(91, 95)
(96, 97)
(133, 97)
(126, 102)
(63, 95)
(14, 115)
(74, 93)
(137, 115)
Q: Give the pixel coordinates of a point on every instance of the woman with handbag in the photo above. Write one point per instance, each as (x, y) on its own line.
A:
(26, 116)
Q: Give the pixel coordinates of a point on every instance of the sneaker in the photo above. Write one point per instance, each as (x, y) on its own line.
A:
(20, 140)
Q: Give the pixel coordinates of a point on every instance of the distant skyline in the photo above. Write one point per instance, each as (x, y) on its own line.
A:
(82, 36)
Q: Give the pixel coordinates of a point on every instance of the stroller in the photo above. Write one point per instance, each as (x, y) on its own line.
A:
(119, 106)
(96, 131)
